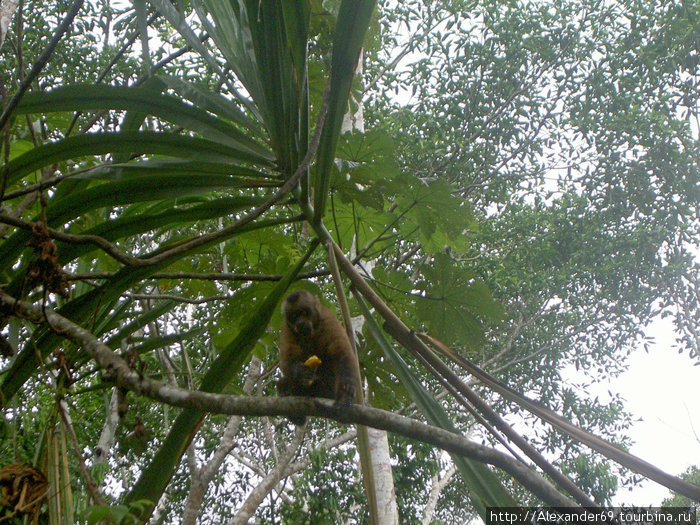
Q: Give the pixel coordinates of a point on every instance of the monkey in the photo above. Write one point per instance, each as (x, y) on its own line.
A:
(316, 358)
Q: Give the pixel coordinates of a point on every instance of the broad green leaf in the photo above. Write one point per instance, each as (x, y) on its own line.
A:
(357, 225)
(454, 301)
(443, 219)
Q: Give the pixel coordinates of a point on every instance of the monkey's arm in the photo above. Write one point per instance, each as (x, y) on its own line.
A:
(346, 374)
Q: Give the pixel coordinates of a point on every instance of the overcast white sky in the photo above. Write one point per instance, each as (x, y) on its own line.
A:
(663, 388)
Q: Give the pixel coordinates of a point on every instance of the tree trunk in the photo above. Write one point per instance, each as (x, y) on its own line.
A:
(380, 456)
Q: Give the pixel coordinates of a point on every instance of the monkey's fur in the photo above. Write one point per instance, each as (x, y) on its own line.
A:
(310, 329)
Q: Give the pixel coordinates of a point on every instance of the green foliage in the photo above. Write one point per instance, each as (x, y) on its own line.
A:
(322, 493)
(119, 514)
(526, 191)
(597, 476)
(676, 500)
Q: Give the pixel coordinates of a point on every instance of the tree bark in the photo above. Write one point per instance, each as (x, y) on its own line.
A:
(7, 11)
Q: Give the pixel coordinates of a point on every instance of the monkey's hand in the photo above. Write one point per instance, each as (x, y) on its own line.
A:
(301, 377)
(312, 363)
(345, 395)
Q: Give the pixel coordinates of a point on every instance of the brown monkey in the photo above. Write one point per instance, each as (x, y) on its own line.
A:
(316, 358)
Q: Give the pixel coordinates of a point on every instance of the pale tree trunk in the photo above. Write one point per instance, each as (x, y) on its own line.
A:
(7, 11)
(383, 477)
(201, 477)
(115, 410)
(388, 513)
(259, 493)
(106, 441)
(437, 485)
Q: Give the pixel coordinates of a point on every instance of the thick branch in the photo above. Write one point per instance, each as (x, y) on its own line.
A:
(116, 369)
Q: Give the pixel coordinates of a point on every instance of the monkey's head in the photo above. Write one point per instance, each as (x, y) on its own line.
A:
(301, 312)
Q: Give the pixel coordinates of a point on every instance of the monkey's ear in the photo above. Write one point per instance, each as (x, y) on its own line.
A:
(303, 284)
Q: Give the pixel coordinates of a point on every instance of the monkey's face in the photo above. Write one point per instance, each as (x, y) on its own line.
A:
(301, 312)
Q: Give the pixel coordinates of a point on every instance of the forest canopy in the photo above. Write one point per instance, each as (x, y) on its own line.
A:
(495, 197)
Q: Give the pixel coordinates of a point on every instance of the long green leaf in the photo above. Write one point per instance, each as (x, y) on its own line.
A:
(353, 21)
(485, 490)
(138, 322)
(122, 192)
(178, 146)
(297, 22)
(148, 102)
(167, 9)
(161, 341)
(230, 30)
(156, 475)
(215, 103)
(281, 92)
(297, 18)
(149, 344)
(185, 168)
(128, 225)
(270, 61)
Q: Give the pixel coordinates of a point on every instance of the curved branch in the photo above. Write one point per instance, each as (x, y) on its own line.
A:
(138, 262)
(115, 369)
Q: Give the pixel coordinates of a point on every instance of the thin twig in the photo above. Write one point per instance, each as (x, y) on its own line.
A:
(41, 61)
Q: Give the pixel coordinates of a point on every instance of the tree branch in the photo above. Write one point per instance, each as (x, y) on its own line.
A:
(116, 370)
(137, 262)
